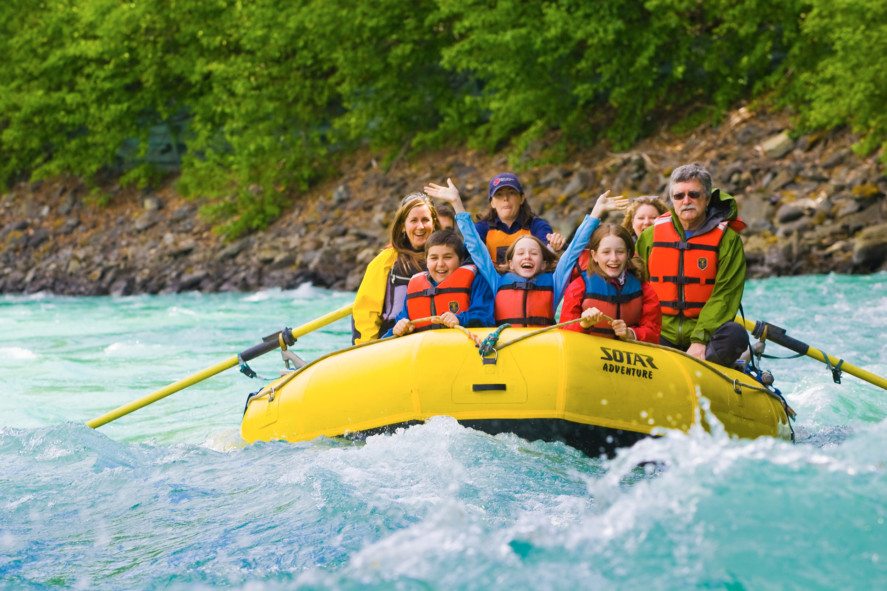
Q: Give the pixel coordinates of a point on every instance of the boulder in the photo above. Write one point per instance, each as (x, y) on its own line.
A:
(776, 146)
(870, 247)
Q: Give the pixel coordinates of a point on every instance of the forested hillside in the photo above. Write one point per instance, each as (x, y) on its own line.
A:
(251, 102)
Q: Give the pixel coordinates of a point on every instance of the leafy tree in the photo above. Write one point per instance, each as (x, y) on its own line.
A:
(841, 64)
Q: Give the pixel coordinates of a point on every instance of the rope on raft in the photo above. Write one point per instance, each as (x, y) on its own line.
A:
(546, 329)
(438, 320)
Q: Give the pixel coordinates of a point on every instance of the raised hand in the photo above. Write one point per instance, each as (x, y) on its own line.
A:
(450, 194)
(606, 203)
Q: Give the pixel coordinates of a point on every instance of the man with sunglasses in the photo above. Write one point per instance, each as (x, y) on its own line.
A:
(696, 264)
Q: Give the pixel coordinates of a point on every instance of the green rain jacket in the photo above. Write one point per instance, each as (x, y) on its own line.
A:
(723, 305)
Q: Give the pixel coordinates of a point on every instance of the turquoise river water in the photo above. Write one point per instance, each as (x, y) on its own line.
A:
(170, 497)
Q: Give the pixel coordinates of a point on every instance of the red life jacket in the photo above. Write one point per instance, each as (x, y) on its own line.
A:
(683, 273)
(450, 295)
(624, 303)
(525, 302)
(498, 242)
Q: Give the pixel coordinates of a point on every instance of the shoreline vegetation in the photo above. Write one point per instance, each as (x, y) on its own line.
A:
(811, 204)
(171, 146)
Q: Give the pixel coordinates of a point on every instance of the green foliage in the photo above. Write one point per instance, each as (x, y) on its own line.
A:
(842, 70)
(253, 102)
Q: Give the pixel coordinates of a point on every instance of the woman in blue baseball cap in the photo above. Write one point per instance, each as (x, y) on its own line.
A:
(511, 217)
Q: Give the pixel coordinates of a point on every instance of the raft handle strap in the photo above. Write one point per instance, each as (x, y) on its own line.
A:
(246, 369)
(488, 345)
(836, 370)
(250, 372)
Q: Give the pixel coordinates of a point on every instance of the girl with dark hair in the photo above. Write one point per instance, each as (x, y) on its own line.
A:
(614, 285)
(510, 217)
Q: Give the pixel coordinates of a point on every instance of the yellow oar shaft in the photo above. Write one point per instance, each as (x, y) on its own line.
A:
(778, 336)
(217, 368)
(328, 318)
(162, 393)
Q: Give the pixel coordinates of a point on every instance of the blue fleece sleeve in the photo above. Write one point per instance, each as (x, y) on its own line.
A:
(480, 256)
(568, 261)
(480, 313)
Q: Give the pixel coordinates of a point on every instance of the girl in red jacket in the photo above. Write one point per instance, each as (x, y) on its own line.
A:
(614, 285)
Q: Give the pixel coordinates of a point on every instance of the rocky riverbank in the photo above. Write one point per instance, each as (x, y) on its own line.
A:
(811, 204)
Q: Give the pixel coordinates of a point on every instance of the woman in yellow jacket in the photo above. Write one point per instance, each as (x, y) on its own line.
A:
(382, 293)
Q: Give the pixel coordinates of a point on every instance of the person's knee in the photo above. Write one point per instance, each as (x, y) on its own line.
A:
(727, 343)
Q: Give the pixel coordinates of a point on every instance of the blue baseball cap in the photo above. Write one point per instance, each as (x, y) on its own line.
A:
(505, 179)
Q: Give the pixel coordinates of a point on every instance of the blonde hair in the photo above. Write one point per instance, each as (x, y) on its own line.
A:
(636, 204)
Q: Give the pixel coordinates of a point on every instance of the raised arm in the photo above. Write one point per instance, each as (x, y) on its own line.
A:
(565, 265)
(480, 256)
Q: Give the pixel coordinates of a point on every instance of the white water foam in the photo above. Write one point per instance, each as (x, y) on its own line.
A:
(17, 353)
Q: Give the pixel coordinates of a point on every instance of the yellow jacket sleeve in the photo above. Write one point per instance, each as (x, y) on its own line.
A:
(367, 311)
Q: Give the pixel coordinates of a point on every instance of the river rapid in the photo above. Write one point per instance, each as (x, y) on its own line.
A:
(170, 497)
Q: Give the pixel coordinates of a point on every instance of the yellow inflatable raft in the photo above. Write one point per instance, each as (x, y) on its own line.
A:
(592, 393)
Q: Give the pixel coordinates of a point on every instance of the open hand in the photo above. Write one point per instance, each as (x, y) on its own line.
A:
(606, 203)
(450, 194)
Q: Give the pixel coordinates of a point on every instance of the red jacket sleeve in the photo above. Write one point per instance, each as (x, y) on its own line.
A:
(572, 307)
(651, 316)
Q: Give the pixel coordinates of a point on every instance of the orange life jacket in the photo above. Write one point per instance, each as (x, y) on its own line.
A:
(683, 273)
(525, 302)
(450, 295)
(498, 242)
(625, 303)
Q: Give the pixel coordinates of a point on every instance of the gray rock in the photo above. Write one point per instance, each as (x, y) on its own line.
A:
(152, 202)
(552, 177)
(232, 250)
(67, 204)
(796, 226)
(145, 221)
(39, 236)
(777, 146)
(790, 212)
(578, 183)
(69, 226)
(121, 287)
(341, 194)
(780, 180)
(835, 159)
(870, 247)
(183, 247)
(755, 207)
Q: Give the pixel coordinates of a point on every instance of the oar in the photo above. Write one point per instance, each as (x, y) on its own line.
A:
(270, 343)
(777, 334)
